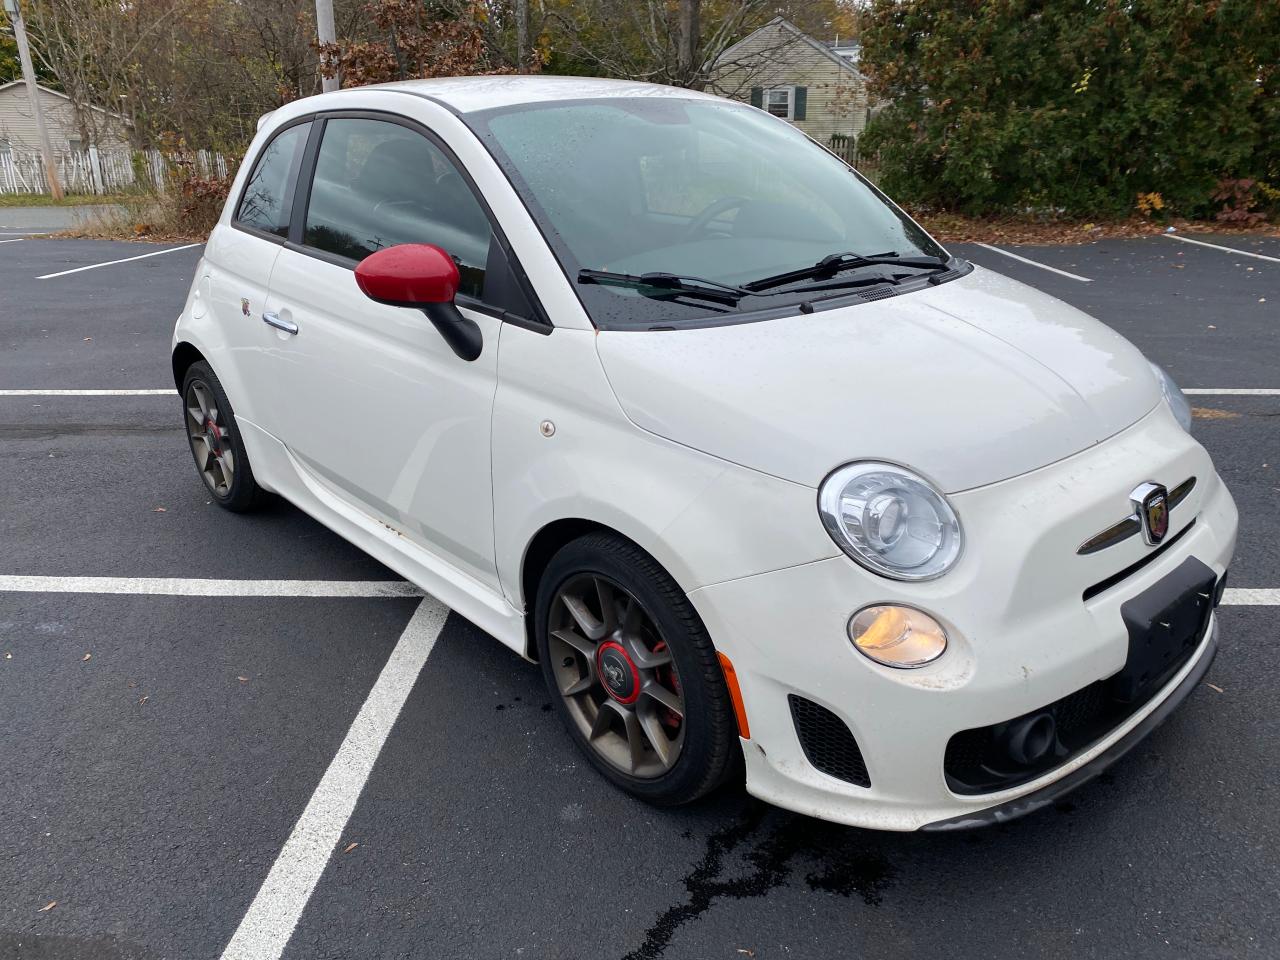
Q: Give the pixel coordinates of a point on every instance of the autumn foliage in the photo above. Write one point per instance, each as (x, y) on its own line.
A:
(414, 42)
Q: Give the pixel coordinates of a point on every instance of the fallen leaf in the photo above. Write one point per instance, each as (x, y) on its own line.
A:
(349, 847)
(1212, 413)
(143, 700)
(1213, 326)
(48, 906)
(88, 340)
(87, 656)
(243, 679)
(1216, 687)
(744, 950)
(159, 510)
(8, 656)
(1262, 299)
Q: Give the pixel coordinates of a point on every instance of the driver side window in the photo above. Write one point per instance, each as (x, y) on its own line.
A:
(378, 184)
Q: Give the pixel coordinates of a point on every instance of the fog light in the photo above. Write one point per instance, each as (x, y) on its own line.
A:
(897, 636)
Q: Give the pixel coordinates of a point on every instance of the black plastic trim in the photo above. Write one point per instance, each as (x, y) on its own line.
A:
(1021, 806)
(1102, 586)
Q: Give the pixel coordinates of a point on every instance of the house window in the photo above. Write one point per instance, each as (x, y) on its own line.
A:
(74, 144)
(779, 100)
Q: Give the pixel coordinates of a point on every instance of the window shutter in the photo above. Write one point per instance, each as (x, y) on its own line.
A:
(757, 96)
(798, 104)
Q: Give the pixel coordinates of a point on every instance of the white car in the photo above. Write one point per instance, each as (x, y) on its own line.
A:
(666, 397)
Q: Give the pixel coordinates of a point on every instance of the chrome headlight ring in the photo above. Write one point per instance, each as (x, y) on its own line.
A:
(890, 520)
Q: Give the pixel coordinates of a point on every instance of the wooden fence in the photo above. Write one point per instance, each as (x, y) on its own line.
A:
(846, 148)
(105, 171)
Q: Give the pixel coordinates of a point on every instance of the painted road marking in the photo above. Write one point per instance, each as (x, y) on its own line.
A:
(1246, 597)
(177, 587)
(265, 930)
(15, 240)
(1042, 266)
(1232, 392)
(111, 263)
(1215, 246)
(169, 392)
(163, 392)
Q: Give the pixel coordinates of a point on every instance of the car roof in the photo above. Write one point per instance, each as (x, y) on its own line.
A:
(469, 94)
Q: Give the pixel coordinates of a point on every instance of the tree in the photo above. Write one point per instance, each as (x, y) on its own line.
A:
(671, 41)
(1073, 107)
(407, 39)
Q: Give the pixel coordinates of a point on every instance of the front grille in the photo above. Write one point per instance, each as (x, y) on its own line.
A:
(827, 742)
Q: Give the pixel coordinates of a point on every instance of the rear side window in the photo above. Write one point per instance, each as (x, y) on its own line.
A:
(267, 200)
(378, 184)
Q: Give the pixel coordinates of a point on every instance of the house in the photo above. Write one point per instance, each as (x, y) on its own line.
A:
(814, 85)
(69, 129)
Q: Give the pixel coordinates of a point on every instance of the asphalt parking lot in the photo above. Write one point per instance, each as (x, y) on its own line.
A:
(278, 750)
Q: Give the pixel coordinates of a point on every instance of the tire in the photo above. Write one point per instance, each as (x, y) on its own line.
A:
(589, 679)
(215, 441)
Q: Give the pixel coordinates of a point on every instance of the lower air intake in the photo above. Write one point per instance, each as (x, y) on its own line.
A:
(827, 742)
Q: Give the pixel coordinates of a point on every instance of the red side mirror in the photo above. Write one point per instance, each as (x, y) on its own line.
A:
(408, 275)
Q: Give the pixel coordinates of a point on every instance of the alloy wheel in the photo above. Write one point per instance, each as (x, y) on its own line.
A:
(616, 674)
(210, 439)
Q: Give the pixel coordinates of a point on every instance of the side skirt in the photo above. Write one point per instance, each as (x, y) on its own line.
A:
(281, 473)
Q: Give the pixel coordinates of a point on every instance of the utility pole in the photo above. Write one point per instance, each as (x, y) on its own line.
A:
(33, 93)
(522, 35)
(325, 34)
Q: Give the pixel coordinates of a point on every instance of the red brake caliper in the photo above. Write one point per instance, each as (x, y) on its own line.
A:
(667, 677)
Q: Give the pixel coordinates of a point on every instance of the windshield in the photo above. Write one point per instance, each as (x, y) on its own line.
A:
(698, 188)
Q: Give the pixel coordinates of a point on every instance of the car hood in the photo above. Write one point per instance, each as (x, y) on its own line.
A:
(969, 382)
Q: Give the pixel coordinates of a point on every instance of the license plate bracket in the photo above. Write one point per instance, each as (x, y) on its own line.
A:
(1166, 623)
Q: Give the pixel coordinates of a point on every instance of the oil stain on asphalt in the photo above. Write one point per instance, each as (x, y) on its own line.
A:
(772, 844)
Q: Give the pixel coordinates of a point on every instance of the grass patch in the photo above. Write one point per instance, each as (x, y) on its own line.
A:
(70, 200)
(953, 228)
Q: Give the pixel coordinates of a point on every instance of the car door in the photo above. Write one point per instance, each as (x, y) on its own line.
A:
(369, 398)
(238, 261)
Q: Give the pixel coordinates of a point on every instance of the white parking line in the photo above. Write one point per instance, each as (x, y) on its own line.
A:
(175, 587)
(14, 240)
(1215, 246)
(111, 263)
(162, 392)
(1231, 392)
(1042, 266)
(1246, 597)
(266, 928)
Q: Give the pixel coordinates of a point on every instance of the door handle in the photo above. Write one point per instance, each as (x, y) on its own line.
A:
(273, 320)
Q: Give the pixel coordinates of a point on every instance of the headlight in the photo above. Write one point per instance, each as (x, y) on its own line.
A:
(890, 521)
(1174, 397)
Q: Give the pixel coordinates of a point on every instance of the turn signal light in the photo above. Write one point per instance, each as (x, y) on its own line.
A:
(897, 636)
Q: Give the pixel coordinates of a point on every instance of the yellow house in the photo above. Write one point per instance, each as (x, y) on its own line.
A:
(781, 69)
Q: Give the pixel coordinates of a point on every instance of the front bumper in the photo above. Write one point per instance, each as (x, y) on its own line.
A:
(1022, 636)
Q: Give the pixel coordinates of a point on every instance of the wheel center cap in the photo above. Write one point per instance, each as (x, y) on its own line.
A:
(617, 672)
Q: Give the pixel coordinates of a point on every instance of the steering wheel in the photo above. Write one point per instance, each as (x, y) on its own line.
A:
(708, 213)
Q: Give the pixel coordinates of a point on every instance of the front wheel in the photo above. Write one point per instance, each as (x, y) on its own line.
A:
(632, 672)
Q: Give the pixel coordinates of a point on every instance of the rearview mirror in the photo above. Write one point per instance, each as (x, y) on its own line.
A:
(421, 275)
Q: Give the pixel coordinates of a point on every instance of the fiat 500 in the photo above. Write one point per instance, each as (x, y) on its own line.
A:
(669, 399)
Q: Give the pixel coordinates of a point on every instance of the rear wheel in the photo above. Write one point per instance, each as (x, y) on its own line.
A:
(633, 673)
(215, 441)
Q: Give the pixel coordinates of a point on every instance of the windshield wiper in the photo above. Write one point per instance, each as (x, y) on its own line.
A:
(674, 283)
(829, 266)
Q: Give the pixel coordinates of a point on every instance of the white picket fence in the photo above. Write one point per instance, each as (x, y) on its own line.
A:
(104, 171)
